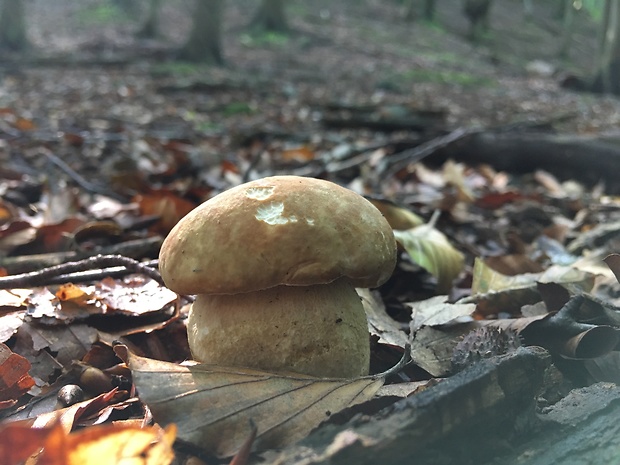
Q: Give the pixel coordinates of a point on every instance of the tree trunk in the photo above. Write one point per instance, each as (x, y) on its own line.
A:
(477, 12)
(13, 26)
(129, 7)
(607, 78)
(204, 43)
(429, 10)
(568, 25)
(270, 17)
(150, 28)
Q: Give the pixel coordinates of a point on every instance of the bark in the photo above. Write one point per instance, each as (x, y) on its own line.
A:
(270, 17)
(204, 43)
(465, 419)
(13, 26)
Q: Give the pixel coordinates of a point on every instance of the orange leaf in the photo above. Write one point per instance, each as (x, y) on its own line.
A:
(24, 124)
(168, 206)
(110, 445)
(14, 377)
(299, 154)
(70, 291)
(18, 441)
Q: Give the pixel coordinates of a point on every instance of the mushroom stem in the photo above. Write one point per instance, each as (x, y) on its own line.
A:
(320, 330)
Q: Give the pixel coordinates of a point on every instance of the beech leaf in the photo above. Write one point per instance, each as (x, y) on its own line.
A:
(430, 248)
(214, 407)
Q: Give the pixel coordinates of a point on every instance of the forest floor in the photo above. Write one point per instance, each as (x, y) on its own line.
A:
(346, 52)
(92, 110)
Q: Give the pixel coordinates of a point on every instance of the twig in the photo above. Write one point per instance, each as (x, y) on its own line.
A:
(79, 180)
(135, 249)
(44, 276)
(93, 275)
(400, 160)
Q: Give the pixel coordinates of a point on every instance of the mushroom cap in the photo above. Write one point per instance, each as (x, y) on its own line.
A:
(280, 230)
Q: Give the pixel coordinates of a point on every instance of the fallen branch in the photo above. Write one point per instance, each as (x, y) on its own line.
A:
(134, 249)
(65, 270)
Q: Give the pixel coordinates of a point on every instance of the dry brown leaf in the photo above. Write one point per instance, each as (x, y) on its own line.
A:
(212, 406)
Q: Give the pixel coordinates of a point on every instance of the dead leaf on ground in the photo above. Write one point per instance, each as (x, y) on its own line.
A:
(212, 406)
(398, 217)
(613, 262)
(102, 445)
(437, 311)
(431, 249)
(14, 378)
(380, 324)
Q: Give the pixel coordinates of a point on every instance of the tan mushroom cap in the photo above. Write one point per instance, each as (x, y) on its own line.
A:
(281, 230)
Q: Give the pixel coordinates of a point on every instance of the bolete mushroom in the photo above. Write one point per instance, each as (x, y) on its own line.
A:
(274, 264)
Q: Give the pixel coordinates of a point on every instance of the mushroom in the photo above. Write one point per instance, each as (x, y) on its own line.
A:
(274, 263)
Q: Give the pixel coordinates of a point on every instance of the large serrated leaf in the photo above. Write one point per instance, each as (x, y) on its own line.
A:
(431, 249)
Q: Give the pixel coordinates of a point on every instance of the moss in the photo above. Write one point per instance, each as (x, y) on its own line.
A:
(261, 39)
(102, 14)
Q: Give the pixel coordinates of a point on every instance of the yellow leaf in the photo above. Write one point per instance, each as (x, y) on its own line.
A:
(398, 217)
(431, 249)
(114, 445)
(214, 407)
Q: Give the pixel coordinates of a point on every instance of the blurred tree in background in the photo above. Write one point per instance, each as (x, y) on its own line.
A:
(270, 17)
(13, 26)
(150, 28)
(204, 44)
(607, 77)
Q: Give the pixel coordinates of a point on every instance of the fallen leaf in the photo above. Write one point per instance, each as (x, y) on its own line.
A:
(437, 311)
(613, 262)
(212, 406)
(18, 441)
(109, 445)
(430, 248)
(495, 292)
(399, 218)
(298, 154)
(380, 324)
(14, 377)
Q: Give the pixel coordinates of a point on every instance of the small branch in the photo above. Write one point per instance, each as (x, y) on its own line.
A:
(94, 275)
(53, 273)
(79, 180)
(135, 249)
(398, 161)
